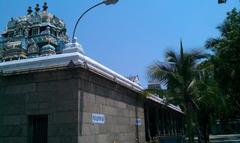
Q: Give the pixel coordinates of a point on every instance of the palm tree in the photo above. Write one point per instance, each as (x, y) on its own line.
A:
(212, 104)
(178, 74)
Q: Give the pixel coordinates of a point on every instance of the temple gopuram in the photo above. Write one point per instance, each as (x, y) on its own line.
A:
(39, 33)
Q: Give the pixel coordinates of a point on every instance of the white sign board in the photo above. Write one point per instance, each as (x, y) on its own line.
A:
(138, 121)
(98, 118)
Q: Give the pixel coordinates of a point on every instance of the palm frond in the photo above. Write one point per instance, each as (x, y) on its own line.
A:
(171, 57)
(181, 50)
(211, 42)
(160, 71)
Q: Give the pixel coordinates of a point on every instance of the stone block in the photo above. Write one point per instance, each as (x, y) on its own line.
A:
(89, 98)
(86, 85)
(109, 110)
(66, 117)
(114, 120)
(31, 107)
(12, 109)
(44, 76)
(111, 102)
(104, 129)
(63, 75)
(101, 90)
(132, 113)
(87, 139)
(123, 128)
(87, 117)
(43, 106)
(20, 88)
(17, 79)
(120, 112)
(63, 139)
(66, 105)
(100, 100)
(126, 113)
(123, 120)
(71, 84)
(124, 137)
(121, 105)
(47, 86)
(131, 136)
(64, 94)
(1, 139)
(130, 107)
(15, 139)
(11, 99)
(24, 130)
(115, 129)
(90, 129)
(13, 120)
(38, 97)
(11, 131)
(104, 138)
(63, 130)
(91, 107)
(132, 121)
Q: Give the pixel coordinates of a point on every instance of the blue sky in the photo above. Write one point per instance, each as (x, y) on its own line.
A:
(131, 35)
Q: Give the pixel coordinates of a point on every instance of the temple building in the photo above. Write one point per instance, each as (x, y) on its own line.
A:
(36, 34)
(51, 92)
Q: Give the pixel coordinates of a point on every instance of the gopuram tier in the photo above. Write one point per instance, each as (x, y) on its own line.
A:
(39, 33)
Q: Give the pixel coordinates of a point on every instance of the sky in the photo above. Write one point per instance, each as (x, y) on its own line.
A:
(133, 34)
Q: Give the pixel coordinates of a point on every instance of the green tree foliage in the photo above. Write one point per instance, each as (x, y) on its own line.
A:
(189, 78)
(204, 88)
(208, 97)
(226, 59)
(179, 74)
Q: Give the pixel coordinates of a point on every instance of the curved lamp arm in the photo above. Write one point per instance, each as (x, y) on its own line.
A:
(107, 2)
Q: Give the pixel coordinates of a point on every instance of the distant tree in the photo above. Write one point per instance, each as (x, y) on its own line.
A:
(179, 74)
(226, 59)
(209, 99)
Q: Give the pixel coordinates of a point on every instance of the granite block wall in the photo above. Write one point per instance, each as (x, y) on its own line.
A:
(69, 97)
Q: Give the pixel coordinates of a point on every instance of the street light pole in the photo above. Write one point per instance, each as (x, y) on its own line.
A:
(106, 2)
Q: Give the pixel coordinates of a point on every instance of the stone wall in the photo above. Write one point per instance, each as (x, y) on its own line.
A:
(69, 97)
(120, 106)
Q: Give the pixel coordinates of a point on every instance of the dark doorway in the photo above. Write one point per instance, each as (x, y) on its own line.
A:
(38, 128)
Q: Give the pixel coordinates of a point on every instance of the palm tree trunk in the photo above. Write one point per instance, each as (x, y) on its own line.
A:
(189, 123)
(205, 128)
(204, 121)
(148, 123)
(206, 134)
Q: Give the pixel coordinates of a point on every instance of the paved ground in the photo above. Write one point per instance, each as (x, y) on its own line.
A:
(231, 138)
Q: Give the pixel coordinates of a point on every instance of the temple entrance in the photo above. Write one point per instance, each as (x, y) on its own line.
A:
(38, 129)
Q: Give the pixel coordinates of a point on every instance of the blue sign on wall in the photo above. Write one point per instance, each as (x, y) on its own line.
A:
(138, 121)
(98, 118)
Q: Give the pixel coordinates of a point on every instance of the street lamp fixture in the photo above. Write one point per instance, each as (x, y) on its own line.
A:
(106, 2)
(222, 1)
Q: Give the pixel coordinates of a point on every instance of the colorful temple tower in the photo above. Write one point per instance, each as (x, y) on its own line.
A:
(36, 34)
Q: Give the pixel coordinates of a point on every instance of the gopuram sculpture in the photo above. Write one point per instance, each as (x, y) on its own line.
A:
(39, 33)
